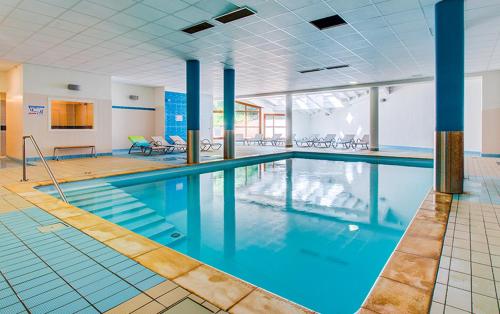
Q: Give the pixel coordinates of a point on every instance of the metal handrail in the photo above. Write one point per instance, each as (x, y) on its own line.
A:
(49, 171)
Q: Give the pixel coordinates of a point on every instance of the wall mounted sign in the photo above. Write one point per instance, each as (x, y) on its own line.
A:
(35, 110)
(178, 118)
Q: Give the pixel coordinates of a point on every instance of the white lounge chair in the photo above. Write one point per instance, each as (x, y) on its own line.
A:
(328, 141)
(274, 140)
(179, 143)
(163, 141)
(363, 142)
(257, 139)
(206, 145)
(302, 142)
(346, 141)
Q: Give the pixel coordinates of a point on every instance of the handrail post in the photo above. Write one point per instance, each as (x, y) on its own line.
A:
(47, 168)
(24, 159)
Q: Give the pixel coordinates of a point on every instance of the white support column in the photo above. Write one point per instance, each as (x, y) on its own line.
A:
(374, 118)
(289, 127)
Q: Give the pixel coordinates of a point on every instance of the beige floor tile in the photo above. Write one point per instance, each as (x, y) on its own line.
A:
(483, 286)
(484, 305)
(150, 308)
(167, 262)
(439, 294)
(220, 289)
(390, 296)
(481, 258)
(460, 265)
(67, 211)
(459, 298)
(461, 253)
(84, 221)
(161, 289)
(412, 270)
(105, 231)
(460, 280)
(132, 245)
(453, 310)
(262, 302)
(173, 296)
(436, 308)
(131, 305)
(483, 271)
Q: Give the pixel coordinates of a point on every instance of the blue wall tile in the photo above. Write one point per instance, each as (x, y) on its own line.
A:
(175, 105)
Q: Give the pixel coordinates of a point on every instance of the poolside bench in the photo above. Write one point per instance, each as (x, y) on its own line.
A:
(57, 148)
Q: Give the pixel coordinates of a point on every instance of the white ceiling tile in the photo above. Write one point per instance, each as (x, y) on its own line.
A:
(145, 12)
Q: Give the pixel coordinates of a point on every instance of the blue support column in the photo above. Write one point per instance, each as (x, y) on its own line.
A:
(193, 110)
(449, 144)
(229, 77)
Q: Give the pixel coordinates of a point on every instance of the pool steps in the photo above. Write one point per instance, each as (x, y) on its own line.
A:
(117, 206)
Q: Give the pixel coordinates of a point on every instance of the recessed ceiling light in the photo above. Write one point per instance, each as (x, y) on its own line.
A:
(328, 22)
(353, 82)
(197, 28)
(235, 15)
(337, 67)
(311, 70)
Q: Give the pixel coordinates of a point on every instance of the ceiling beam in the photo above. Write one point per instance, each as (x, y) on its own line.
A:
(341, 87)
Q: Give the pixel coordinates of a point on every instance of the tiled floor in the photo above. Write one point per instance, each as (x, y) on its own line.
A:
(469, 275)
(58, 268)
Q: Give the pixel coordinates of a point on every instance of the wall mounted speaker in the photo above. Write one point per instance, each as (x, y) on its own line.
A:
(133, 97)
(73, 87)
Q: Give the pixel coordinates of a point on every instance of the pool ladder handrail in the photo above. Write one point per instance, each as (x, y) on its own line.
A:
(49, 171)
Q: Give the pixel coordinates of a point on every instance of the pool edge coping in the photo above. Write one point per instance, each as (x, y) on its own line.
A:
(49, 203)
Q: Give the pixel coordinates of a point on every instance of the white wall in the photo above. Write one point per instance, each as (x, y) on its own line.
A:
(128, 122)
(41, 84)
(160, 111)
(206, 117)
(406, 117)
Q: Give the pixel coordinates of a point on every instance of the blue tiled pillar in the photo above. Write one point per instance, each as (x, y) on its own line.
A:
(193, 110)
(449, 144)
(229, 78)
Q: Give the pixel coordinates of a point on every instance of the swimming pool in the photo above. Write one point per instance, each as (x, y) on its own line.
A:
(317, 232)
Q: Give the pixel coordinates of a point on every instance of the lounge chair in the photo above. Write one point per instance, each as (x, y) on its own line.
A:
(346, 141)
(160, 140)
(207, 145)
(328, 141)
(364, 141)
(302, 142)
(239, 138)
(179, 142)
(147, 148)
(257, 139)
(274, 140)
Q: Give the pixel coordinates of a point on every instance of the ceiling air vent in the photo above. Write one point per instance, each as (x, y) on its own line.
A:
(235, 15)
(327, 22)
(337, 67)
(197, 28)
(311, 70)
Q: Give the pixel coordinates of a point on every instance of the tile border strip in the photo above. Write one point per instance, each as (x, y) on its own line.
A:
(406, 284)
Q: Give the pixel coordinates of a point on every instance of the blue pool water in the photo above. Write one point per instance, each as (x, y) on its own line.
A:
(317, 232)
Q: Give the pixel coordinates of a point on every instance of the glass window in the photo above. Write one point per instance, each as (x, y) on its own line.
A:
(246, 120)
(274, 124)
(71, 115)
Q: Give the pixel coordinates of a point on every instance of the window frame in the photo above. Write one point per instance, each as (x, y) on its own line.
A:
(246, 127)
(49, 115)
(273, 115)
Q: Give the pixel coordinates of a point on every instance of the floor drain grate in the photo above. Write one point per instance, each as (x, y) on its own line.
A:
(52, 228)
